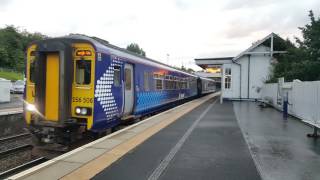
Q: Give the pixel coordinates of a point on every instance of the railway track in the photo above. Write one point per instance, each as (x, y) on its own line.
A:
(15, 156)
(14, 141)
(22, 167)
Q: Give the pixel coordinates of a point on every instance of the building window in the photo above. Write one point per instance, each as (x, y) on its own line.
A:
(227, 78)
(116, 76)
(83, 72)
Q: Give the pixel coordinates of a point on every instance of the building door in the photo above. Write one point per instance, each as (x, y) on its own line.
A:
(128, 89)
(227, 82)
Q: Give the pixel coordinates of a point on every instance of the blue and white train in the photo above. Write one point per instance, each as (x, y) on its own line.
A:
(81, 83)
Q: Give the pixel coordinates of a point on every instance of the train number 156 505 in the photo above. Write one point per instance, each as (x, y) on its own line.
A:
(82, 99)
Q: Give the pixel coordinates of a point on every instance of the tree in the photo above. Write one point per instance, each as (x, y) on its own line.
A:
(302, 60)
(134, 47)
(13, 44)
(189, 70)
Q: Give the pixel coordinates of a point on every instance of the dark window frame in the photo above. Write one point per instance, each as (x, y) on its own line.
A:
(87, 71)
(128, 82)
(117, 76)
(146, 83)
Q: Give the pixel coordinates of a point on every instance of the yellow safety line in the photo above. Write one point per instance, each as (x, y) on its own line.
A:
(92, 168)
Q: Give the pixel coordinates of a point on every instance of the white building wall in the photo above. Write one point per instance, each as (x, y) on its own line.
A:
(244, 76)
(235, 81)
(259, 71)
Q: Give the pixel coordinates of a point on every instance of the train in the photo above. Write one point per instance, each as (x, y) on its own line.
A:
(77, 84)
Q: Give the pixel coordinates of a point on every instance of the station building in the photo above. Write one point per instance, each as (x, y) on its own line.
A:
(242, 76)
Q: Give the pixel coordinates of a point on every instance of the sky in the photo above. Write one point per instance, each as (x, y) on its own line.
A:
(174, 32)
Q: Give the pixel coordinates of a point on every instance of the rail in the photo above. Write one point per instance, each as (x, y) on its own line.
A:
(10, 138)
(22, 167)
(15, 150)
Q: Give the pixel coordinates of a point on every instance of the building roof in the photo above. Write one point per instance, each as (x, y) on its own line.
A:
(258, 43)
(277, 44)
(205, 62)
(218, 58)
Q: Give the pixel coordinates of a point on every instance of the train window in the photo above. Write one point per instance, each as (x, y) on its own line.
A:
(127, 73)
(227, 79)
(117, 76)
(176, 83)
(146, 81)
(166, 84)
(155, 75)
(32, 70)
(159, 84)
(83, 72)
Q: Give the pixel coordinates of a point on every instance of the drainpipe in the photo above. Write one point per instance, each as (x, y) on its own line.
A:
(249, 76)
(239, 76)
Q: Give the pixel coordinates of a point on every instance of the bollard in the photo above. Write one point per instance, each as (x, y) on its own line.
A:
(285, 107)
(285, 110)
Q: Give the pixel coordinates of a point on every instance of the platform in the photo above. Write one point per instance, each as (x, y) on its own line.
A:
(16, 101)
(201, 139)
(9, 111)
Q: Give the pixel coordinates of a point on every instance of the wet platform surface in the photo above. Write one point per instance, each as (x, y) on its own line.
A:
(202, 139)
(214, 149)
(280, 147)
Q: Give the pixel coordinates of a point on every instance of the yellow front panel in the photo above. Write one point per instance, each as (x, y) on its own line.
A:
(30, 90)
(83, 95)
(52, 87)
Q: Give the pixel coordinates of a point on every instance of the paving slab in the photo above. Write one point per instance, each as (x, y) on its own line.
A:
(107, 144)
(54, 171)
(84, 155)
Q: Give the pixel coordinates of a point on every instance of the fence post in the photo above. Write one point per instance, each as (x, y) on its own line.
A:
(285, 105)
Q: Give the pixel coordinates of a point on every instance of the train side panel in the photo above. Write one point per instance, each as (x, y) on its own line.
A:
(149, 95)
(108, 100)
(208, 86)
(109, 89)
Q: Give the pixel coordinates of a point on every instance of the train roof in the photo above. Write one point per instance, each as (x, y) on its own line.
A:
(103, 45)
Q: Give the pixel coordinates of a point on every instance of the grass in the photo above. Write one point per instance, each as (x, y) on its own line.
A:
(11, 75)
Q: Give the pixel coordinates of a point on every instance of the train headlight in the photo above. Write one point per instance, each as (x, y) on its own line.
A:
(78, 110)
(31, 107)
(83, 111)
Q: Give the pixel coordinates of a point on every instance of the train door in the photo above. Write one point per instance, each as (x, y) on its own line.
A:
(128, 89)
(52, 87)
(199, 86)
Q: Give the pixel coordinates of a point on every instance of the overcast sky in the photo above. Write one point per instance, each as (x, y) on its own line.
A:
(184, 29)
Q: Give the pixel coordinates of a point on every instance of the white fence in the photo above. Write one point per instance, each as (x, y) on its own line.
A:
(303, 97)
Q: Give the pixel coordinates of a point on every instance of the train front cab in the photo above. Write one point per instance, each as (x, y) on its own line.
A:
(59, 89)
